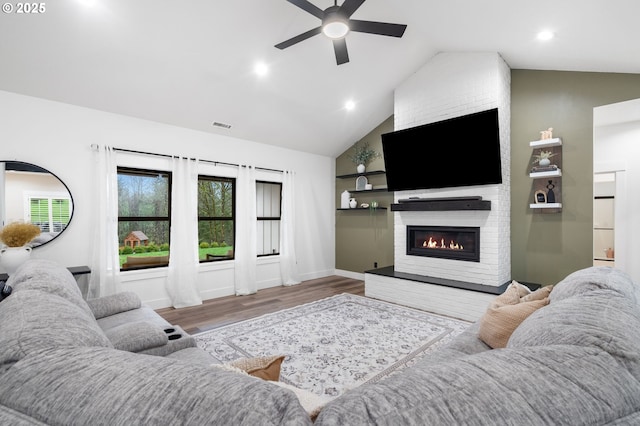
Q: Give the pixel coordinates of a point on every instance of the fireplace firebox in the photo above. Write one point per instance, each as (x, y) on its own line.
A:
(447, 242)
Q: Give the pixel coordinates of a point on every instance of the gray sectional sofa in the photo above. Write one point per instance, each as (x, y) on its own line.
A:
(109, 361)
(114, 361)
(575, 361)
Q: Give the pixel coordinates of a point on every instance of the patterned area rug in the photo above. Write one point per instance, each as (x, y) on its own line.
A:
(335, 344)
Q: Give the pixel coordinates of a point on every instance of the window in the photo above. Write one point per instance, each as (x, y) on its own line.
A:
(216, 217)
(144, 213)
(51, 214)
(268, 196)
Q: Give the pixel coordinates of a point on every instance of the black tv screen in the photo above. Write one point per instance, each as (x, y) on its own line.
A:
(461, 151)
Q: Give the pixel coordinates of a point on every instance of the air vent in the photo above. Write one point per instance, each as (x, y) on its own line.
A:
(223, 125)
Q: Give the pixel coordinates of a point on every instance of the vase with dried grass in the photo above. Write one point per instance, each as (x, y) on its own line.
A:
(15, 237)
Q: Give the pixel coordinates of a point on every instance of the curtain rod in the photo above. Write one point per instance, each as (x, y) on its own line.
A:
(96, 147)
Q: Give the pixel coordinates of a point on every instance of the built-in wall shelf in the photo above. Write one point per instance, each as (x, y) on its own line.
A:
(356, 191)
(352, 175)
(546, 206)
(546, 173)
(361, 209)
(441, 204)
(545, 143)
(550, 173)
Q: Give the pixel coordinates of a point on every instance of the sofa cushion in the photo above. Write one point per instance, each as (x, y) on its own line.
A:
(602, 318)
(595, 278)
(47, 276)
(143, 314)
(114, 304)
(566, 385)
(194, 355)
(137, 336)
(506, 313)
(177, 340)
(34, 320)
(100, 386)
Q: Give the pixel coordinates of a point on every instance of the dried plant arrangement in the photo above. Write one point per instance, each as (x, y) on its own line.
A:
(18, 234)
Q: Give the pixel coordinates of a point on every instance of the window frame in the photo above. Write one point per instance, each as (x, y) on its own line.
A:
(270, 218)
(231, 218)
(147, 172)
(50, 199)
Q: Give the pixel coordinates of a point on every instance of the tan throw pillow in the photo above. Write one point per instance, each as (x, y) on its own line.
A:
(539, 294)
(506, 313)
(267, 368)
(522, 289)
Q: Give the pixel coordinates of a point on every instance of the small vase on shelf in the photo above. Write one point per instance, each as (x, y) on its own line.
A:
(361, 168)
(344, 199)
(353, 203)
(551, 196)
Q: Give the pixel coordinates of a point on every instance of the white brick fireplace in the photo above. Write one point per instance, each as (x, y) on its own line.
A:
(452, 85)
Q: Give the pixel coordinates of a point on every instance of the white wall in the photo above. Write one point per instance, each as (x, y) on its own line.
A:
(59, 136)
(616, 149)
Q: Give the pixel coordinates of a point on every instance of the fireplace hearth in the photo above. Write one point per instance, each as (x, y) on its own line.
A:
(445, 242)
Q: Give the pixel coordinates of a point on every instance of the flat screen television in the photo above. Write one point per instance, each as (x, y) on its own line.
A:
(461, 151)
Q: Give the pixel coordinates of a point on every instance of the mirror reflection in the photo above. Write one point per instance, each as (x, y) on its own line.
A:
(32, 194)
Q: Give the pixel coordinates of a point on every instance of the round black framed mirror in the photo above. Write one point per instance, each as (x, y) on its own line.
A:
(33, 194)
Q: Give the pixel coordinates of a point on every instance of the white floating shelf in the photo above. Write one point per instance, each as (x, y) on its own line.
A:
(546, 206)
(552, 173)
(543, 143)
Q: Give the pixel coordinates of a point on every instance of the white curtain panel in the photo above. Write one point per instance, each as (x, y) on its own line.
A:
(183, 256)
(105, 261)
(245, 249)
(288, 260)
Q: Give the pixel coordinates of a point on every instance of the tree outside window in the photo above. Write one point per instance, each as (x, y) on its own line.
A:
(216, 218)
(268, 212)
(144, 217)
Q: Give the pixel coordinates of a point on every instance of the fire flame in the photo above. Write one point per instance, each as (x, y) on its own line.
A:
(434, 244)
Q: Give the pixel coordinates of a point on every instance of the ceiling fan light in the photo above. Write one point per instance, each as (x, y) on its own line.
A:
(335, 29)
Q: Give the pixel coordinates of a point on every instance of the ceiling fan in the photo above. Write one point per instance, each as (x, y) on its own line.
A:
(336, 24)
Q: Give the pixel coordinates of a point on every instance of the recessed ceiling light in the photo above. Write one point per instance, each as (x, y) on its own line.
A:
(261, 69)
(349, 105)
(545, 35)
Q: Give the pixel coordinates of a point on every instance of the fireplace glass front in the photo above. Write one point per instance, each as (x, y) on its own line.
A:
(447, 242)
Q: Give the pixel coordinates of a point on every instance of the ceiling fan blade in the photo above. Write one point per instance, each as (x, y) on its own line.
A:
(350, 6)
(340, 47)
(308, 7)
(380, 28)
(299, 38)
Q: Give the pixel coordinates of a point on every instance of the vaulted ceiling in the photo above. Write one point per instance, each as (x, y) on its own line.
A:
(191, 63)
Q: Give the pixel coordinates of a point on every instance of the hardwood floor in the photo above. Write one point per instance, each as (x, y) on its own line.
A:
(226, 310)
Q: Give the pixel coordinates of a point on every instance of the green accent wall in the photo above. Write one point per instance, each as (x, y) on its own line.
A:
(364, 237)
(545, 247)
